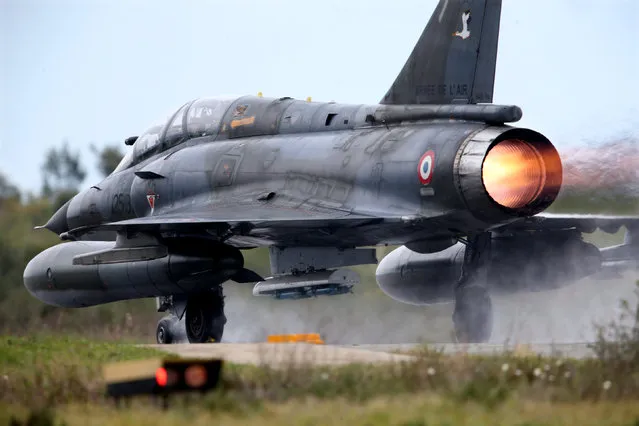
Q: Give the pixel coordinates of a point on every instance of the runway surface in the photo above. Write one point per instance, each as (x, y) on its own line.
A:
(568, 350)
(280, 354)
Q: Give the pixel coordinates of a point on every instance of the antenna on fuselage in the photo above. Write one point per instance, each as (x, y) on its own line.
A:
(130, 140)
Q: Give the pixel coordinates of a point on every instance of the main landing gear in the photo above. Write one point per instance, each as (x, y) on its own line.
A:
(204, 318)
(473, 315)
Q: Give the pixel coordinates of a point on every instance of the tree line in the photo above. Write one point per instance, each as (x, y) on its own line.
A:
(62, 174)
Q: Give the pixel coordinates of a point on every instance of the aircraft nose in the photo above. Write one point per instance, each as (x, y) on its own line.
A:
(58, 222)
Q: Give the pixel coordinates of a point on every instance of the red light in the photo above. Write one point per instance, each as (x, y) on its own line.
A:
(161, 376)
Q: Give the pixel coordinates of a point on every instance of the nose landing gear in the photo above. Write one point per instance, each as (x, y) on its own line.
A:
(165, 333)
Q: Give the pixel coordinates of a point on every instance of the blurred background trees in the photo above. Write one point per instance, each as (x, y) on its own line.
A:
(63, 175)
(108, 158)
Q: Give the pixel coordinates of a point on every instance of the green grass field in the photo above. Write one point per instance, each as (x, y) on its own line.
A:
(412, 410)
(46, 380)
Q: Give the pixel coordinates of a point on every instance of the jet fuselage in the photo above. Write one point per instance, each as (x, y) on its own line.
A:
(303, 157)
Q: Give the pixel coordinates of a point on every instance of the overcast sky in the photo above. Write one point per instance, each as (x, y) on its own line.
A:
(98, 71)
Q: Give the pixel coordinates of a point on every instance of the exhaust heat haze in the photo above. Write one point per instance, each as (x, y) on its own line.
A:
(612, 165)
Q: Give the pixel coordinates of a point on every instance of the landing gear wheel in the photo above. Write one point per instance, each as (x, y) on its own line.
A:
(164, 334)
(205, 317)
(473, 316)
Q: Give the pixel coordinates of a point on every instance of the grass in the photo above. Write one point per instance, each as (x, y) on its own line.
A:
(41, 370)
(412, 410)
(48, 379)
(601, 201)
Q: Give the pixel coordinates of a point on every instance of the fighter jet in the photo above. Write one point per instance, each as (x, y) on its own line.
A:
(435, 168)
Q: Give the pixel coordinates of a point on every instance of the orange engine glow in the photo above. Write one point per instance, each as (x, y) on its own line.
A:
(515, 173)
(161, 376)
(195, 376)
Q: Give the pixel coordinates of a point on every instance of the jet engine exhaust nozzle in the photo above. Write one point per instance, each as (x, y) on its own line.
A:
(504, 173)
(516, 173)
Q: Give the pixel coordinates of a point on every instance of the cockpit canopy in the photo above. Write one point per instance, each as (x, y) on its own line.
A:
(197, 118)
(242, 117)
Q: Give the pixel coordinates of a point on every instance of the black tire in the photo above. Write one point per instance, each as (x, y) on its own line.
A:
(164, 334)
(205, 317)
(473, 316)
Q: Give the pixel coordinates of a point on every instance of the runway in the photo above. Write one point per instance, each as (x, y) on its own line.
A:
(282, 354)
(567, 350)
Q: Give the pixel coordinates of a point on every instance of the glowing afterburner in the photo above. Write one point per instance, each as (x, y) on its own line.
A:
(516, 173)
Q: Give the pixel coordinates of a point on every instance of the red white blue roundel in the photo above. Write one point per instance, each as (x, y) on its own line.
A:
(425, 167)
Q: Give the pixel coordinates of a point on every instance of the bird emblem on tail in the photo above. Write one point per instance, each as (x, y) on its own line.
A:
(464, 33)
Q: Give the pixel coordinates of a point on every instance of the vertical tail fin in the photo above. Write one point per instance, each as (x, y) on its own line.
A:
(454, 59)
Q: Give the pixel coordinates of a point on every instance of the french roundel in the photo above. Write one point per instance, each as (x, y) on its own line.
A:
(425, 167)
